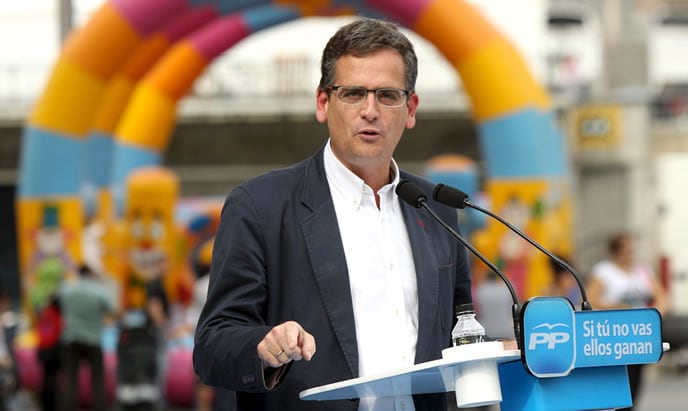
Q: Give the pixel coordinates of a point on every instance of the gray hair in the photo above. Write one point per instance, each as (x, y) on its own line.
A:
(364, 36)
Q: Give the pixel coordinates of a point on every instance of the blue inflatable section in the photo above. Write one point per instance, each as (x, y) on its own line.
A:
(47, 164)
(532, 134)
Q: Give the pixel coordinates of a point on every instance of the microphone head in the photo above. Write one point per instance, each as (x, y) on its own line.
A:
(449, 196)
(411, 193)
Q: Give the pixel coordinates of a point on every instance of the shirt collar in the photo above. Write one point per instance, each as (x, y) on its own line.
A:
(352, 186)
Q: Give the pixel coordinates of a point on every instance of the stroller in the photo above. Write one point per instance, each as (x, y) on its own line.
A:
(137, 370)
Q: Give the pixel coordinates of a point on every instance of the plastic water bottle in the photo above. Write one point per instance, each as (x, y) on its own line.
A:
(467, 330)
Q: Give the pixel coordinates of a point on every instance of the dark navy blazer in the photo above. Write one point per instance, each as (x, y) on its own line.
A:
(278, 256)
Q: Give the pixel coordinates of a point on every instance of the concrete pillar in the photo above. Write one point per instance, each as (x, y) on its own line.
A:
(66, 18)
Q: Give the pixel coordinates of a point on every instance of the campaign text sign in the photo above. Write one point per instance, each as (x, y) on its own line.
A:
(556, 339)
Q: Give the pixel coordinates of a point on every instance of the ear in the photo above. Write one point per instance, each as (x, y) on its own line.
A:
(321, 101)
(412, 106)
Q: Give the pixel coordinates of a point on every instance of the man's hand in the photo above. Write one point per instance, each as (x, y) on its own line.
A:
(286, 342)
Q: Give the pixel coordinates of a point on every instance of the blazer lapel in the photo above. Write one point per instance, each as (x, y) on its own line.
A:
(426, 275)
(324, 245)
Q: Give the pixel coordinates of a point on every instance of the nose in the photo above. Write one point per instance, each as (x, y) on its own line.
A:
(370, 108)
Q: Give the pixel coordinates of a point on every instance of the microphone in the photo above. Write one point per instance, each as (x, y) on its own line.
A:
(414, 195)
(456, 198)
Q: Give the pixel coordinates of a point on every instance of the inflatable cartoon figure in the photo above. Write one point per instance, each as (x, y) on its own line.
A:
(149, 243)
(514, 252)
(50, 263)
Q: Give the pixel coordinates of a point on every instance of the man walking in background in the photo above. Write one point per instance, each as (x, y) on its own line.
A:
(86, 303)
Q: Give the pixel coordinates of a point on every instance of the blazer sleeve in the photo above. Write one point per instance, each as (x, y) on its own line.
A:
(232, 323)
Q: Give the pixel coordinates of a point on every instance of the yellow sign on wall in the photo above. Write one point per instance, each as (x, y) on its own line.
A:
(597, 126)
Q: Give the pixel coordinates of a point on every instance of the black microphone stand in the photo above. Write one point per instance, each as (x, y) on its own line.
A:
(421, 202)
(463, 201)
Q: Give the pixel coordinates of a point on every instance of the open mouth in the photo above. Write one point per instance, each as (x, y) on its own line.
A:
(369, 133)
(146, 262)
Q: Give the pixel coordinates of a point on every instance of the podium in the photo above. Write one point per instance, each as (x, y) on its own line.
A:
(569, 361)
(429, 377)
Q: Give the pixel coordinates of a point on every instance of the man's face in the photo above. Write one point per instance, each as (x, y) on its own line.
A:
(364, 136)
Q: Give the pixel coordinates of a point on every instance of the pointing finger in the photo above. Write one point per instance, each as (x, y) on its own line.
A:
(307, 346)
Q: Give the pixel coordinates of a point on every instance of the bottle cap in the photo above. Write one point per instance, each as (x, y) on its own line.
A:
(465, 308)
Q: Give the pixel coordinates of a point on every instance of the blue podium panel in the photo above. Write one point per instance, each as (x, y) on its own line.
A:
(429, 377)
(583, 389)
(556, 339)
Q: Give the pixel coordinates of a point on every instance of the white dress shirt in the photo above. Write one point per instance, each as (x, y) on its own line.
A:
(382, 276)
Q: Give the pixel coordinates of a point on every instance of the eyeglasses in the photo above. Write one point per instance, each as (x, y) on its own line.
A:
(386, 97)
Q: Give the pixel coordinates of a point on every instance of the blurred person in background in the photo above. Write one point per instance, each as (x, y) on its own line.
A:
(159, 312)
(564, 283)
(622, 282)
(8, 369)
(204, 393)
(86, 303)
(49, 330)
(142, 344)
(493, 308)
(207, 398)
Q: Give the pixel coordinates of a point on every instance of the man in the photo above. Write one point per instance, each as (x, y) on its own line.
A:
(324, 253)
(141, 345)
(86, 303)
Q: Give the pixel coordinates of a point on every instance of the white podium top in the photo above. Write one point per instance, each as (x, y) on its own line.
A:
(429, 377)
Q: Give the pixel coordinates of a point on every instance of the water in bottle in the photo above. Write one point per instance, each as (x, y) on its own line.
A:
(467, 330)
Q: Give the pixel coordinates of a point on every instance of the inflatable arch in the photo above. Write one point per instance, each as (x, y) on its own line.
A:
(109, 106)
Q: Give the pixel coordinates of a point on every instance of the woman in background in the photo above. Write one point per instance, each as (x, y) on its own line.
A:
(622, 282)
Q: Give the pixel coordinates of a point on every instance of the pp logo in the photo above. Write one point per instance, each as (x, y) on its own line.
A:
(548, 336)
(551, 337)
